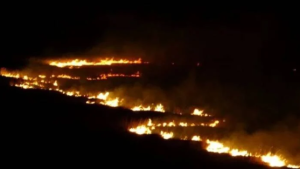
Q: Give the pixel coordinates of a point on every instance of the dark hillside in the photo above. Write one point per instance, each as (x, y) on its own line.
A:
(43, 128)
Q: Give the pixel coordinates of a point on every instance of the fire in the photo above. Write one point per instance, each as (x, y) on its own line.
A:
(196, 138)
(112, 103)
(176, 124)
(42, 76)
(5, 73)
(141, 108)
(216, 147)
(112, 75)
(102, 96)
(236, 152)
(55, 83)
(198, 112)
(211, 146)
(166, 135)
(214, 124)
(158, 108)
(46, 82)
(140, 130)
(292, 166)
(273, 160)
(137, 74)
(35, 83)
(79, 63)
(150, 127)
(64, 76)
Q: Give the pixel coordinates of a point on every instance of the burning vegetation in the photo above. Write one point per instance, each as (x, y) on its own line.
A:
(100, 62)
(181, 126)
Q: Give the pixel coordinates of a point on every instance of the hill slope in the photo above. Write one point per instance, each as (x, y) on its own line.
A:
(43, 128)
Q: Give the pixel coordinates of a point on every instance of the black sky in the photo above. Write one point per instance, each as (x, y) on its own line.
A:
(243, 36)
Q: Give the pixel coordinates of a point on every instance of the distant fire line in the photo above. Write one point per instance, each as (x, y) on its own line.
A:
(65, 76)
(101, 62)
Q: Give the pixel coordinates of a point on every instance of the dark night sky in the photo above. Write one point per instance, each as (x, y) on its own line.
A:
(265, 37)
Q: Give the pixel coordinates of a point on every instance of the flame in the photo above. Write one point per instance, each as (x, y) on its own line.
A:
(273, 160)
(112, 103)
(150, 125)
(196, 138)
(102, 96)
(141, 108)
(141, 130)
(64, 76)
(292, 166)
(166, 135)
(79, 63)
(236, 152)
(213, 146)
(111, 75)
(159, 108)
(55, 83)
(198, 112)
(214, 124)
(216, 147)
(42, 76)
(34, 83)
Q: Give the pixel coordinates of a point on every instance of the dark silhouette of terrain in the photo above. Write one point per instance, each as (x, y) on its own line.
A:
(42, 128)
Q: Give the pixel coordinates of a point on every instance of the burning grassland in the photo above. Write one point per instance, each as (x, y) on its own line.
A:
(97, 62)
(168, 131)
(49, 75)
(172, 120)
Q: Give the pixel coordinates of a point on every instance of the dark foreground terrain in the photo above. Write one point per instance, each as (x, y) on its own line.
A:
(42, 128)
